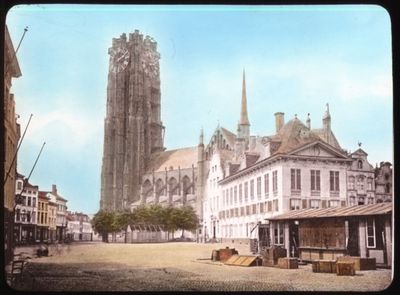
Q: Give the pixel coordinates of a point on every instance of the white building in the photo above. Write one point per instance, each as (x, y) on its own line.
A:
(26, 210)
(61, 209)
(252, 178)
(79, 227)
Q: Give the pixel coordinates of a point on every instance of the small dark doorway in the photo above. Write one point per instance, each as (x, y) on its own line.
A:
(294, 239)
(213, 229)
(353, 248)
(263, 236)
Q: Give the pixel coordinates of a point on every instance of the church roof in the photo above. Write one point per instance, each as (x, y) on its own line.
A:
(229, 136)
(183, 158)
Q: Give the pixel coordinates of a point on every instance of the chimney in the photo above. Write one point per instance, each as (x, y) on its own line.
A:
(54, 189)
(279, 120)
(308, 121)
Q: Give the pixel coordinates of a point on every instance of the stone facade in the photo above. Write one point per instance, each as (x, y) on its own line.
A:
(236, 180)
(133, 130)
(384, 182)
(360, 180)
(10, 140)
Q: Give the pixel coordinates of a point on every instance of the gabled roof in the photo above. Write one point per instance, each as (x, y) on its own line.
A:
(61, 198)
(334, 151)
(43, 195)
(229, 136)
(359, 151)
(357, 210)
(183, 158)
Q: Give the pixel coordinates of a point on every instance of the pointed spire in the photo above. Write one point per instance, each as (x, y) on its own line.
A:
(326, 120)
(244, 120)
(201, 138)
(327, 114)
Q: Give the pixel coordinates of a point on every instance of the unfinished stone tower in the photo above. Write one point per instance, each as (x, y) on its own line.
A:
(132, 127)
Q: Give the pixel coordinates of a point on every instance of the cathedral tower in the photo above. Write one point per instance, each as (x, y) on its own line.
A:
(132, 128)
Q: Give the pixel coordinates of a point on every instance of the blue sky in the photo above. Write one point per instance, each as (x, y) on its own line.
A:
(296, 58)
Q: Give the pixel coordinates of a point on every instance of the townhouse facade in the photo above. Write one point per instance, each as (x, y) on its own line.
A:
(26, 211)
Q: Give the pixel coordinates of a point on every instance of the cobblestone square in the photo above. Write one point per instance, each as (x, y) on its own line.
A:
(176, 267)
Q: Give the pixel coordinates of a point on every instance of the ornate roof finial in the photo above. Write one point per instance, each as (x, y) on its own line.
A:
(359, 144)
(295, 116)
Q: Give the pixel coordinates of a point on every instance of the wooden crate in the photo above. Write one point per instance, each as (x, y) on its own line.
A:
(345, 268)
(315, 255)
(360, 263)
(270, 255)
(305, 254)
(288, 263)
(325, 266)
(225, 254)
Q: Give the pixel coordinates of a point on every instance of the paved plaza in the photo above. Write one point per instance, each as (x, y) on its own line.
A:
(176, 266)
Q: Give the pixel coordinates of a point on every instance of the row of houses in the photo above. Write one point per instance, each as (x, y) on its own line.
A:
(42, 216)
(39, 215)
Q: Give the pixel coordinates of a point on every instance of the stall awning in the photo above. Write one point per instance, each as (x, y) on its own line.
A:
(357, 210)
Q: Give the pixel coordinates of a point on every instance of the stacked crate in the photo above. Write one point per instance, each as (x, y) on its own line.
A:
(270, 255)
(288, 263)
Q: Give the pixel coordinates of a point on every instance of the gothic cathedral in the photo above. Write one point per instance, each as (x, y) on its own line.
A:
(132, 127)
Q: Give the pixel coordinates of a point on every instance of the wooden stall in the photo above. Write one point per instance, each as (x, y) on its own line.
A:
(363, 231)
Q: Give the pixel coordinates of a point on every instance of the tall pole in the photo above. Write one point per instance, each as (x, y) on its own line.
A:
(15, 53)
(16, 152)
(30, 173)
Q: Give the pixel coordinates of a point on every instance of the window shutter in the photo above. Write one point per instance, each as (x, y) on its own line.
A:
(304, 204)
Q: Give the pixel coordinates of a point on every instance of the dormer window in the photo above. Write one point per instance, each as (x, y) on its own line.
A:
(359, 164)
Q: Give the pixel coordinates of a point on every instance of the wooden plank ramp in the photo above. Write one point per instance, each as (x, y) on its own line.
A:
(243, 260)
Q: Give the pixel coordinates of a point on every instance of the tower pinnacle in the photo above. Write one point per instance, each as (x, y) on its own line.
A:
(244, 120)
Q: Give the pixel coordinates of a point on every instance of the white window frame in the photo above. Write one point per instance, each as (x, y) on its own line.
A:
(313, 202)
(296, 203)
(366, 232)
(275, 181)
(316, 180)
(251, 189)
(266, 184)
(279, 238)
(295, 179)
(334, 178)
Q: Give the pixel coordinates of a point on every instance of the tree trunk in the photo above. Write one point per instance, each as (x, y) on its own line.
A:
(183, 231)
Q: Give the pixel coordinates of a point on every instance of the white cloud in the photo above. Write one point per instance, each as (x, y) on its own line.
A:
(65, 128)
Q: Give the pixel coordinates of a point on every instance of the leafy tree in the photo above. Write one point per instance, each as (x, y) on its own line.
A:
(103, 223)
(122, 220)
(186, 219)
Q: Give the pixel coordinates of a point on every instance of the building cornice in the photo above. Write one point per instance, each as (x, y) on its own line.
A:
(280, 157)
